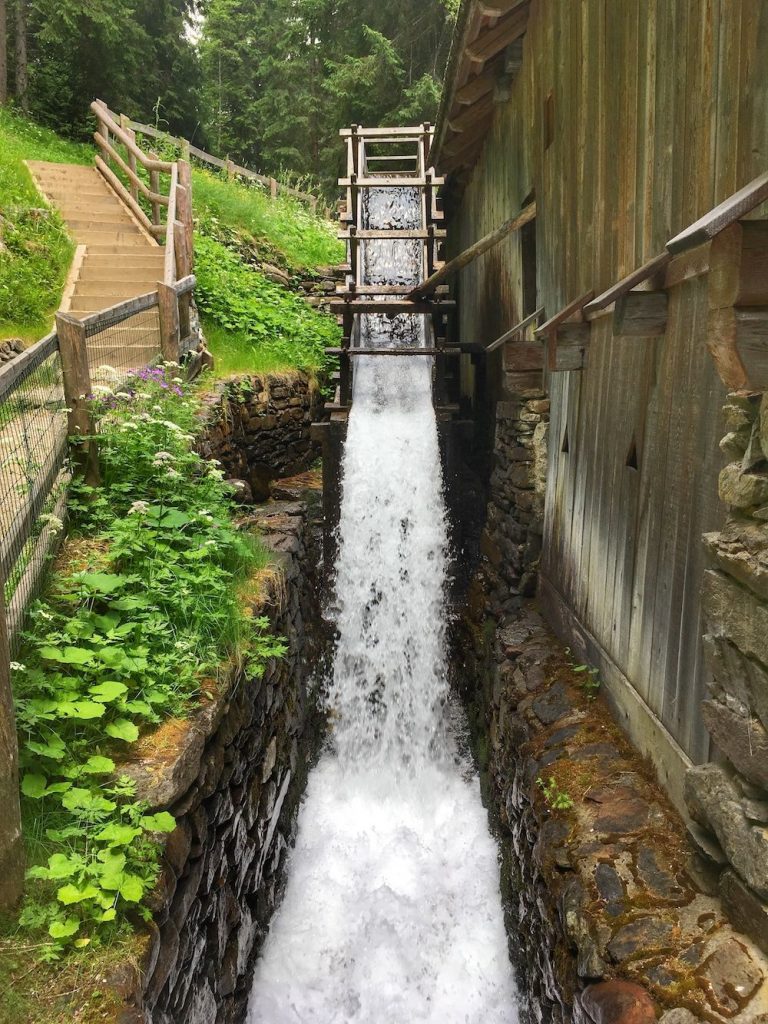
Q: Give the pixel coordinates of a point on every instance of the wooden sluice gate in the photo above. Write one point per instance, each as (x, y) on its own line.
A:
(386, 158)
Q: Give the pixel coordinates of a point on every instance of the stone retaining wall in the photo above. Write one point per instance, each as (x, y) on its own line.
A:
(258, 427)
(729, 800)
(612, 919)
(511, 543)
(233, 776)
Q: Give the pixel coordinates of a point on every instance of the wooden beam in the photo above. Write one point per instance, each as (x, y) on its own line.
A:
(391, 307)
(498, 8)
(513, 331)
(648, 270)
(469, 116)
(640, 314)
(475, 250)
(573, 309)
(567, 347)
(728, 212)
(491, 42)
(469, 141)
(476, 87)
(737, 296)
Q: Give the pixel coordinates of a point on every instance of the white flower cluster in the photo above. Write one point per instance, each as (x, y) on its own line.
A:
(53, 522)
(139, 508)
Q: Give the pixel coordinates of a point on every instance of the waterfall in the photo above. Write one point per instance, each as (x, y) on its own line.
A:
(392, 912)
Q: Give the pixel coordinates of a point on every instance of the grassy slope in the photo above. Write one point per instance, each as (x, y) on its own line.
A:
(34, 265)
(279, 332)
(275, 329)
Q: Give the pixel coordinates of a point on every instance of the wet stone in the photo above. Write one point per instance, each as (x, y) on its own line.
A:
(643, 937)
(561, 736)
(620, 811)
(730, 977)
(617, 1002)
(611, 889)
(606, 750)
(655, 878)
(552, 705)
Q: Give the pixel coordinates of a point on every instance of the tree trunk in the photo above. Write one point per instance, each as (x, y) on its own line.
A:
(11, 848)
(22, 71)
(3, 53)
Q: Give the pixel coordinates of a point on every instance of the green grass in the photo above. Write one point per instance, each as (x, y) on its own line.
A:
(38, 251)
(281, 227)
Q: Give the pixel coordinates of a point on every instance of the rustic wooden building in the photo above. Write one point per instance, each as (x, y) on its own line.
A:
(626, 123)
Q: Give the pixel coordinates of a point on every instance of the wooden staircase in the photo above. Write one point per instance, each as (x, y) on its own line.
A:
(120, 258)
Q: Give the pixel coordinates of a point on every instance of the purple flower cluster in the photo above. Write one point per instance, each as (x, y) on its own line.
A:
(156, 375)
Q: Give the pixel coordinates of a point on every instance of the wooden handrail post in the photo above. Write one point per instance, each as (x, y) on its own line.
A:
(125, 124)
(184, 211)
(11, 846)
(73, 350)
(273, 188)
(184, 148)
(170, 332)
(230, 168)
(184, 267)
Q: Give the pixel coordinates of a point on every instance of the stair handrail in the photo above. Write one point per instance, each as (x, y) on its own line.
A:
(178, 227)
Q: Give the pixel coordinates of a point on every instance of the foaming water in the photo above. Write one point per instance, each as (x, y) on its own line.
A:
(392, 911)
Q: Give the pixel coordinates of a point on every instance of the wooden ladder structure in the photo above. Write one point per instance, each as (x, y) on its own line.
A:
(389, 158)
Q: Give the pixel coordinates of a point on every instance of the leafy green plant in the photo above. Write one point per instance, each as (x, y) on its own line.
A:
(265, 317)
(556, 798)
(122, 641)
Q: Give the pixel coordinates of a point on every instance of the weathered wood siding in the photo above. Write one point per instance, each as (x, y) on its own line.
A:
(660, 113)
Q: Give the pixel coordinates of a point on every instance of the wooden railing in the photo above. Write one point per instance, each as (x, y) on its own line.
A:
(232, 169)
(175, 227)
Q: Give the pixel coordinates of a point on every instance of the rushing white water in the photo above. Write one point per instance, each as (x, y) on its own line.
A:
(392, 912)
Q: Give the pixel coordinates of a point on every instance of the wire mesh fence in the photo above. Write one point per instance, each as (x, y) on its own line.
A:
(33, 467)
(117, 344)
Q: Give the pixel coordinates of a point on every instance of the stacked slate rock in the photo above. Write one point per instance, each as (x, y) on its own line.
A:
(258, 427)
(10, 349)
(729, 800)
(511, 543)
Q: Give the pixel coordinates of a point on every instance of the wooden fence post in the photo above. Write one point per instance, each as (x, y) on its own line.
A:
(184, 148)
(184, 210)
(230, 166)
(273, 188)
(170, 331)
(77, 387)
(11, 846)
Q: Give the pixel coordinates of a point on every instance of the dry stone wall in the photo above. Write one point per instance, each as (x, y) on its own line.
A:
(511, 542)
(728, 799)
(258, 427)
(233, 776)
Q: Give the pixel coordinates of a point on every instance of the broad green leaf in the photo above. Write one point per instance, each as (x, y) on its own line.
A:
(53, 749)
(97, 765)
(160, 822)
(67, 655)
(132, 888)
(63, 929)
(122, 729)
(129, 604)
(81, 943)
(109, 690)
(175, 518)
(118, 835)
(34, 786)
(69, 894)
(61, 866)
(84, 800)
(137, 707)
(109, 915)
(82, 709)
(101, 582)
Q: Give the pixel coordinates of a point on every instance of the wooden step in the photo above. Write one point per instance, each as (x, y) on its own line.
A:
(113, 240)
(113, 222)
(106, 248)
(125, 289)
(107, 279)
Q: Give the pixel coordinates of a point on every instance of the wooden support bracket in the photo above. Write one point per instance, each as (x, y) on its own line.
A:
(737, 324)
(567, 336)
(640, 314)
